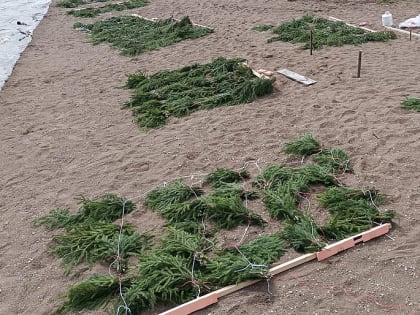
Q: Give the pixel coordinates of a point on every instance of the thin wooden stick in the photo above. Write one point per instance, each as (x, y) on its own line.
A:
(359, 64)
(401, 31)
(311, 35)
(361, 27)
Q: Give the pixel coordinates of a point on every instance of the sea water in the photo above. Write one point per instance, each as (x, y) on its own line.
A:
(18, 19)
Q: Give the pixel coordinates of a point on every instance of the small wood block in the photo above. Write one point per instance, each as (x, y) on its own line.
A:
(193, 306)
(296, 76)
(331, 250)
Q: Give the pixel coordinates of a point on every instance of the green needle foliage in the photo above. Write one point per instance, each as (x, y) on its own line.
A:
(283, 188)
(92, 12)
(222, 176)
(134, 35)
(249, 261)
(223, 82)
(179, 242)
(230, 189)
(412, 103)
(57, 218)
(93, 293)
(325, 33)
(302, 234)
(90, 242)
(263, 27)
(75, 3)
(107, 209)
(305, 145)
(227, 211)
(174, 193)
(163, 277)
(352, 211)
(334, 160)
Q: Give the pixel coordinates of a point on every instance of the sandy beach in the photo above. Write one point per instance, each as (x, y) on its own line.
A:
(63, 133)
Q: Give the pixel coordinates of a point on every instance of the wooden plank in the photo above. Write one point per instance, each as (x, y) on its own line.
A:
(255, 72)
(349, 242)
(296, 76)
(352, 25)
(402, 31)
(193, 306)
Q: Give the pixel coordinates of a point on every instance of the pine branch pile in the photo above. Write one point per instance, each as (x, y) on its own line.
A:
(90, 242)
(134, 35)
(187, 260)
(249, 261)
(352, 211)
(224, 176)
(305, 145)
(76, 3)
(302, 234)
(412, 103)
(223, 82)
(325, 33)
(105, 210)
(90, 234)
(92, 293)
(92, 12)
(179, 203)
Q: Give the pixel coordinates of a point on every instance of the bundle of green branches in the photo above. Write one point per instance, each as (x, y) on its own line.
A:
(222, 176)
(170, 273)
(90, 242)
(283, 187)
(223, 82)
(263, 27)
(248, 261)
(412, 103)
(325, 33)
(163, 277)
(304, 145)
(352, 211)
(302, 234)
(106, 210)
(76, 3)
(334, 160)
(229, 189)
(174, 193)
(90, 234)
(95, 292)
(134, 35)
(92, 12)
(224, 210)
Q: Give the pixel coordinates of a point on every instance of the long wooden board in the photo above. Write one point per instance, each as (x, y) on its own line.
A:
(352, 25)
(328, 251)
(296, 76)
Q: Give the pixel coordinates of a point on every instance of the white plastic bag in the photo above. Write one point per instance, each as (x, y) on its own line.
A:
(412, 22)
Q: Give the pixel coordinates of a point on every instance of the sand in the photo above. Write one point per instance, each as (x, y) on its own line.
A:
(63, 134)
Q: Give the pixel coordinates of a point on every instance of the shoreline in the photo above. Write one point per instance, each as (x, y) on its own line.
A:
(14, 40)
